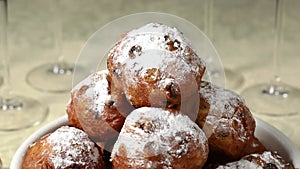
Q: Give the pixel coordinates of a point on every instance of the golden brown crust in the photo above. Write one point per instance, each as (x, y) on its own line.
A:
(176, 75)
(156, 138)
(100, 114)
(48, 154)
(265, 160)
(227, 122)
(72, 117)
(149, 67)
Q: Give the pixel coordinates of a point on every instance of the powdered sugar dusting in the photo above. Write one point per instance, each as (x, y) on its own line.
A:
(151, 56)
(153, 28)
(71, 146)
(100, 90)
(154, 46)
(241, 164)
(258, 161)
(153, 131)
(97, 91)
(220, 99)
(223, 112)
(270, 157)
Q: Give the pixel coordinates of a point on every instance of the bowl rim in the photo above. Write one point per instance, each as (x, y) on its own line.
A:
(288, 149)
(16, 162)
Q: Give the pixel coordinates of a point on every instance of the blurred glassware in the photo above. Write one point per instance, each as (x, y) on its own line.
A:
(16, 111)
(59, 74)
(274, 98)
(0, 163)
(234, 80)
(1, 81)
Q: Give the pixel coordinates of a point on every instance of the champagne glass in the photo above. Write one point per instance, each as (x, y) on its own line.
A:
(234, 80)
(274, 98)
(16, 111)
(1, 80)
(58, 74)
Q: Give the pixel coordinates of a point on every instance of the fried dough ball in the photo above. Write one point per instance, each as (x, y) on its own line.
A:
(72, 116)
(98, 108)
(156, 138)
(227, 123)
(65, 148)
(266, 160)
(155, 66)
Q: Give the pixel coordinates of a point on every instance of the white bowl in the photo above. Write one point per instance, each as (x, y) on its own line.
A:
(268, 135)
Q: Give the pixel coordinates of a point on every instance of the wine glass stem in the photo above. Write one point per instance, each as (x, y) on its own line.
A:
(278, 24)
(58, 31)
(5, 92)
(208, 12)
(208, 5)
